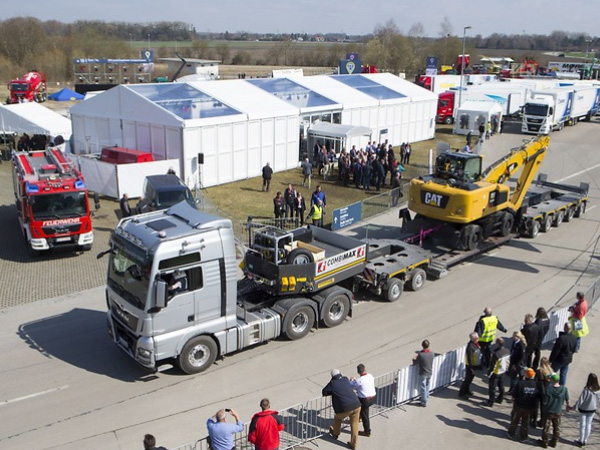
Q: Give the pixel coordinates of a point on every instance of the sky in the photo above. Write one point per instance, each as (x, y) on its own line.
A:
(329, 16)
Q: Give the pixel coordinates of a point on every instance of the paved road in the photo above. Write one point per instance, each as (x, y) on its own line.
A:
(65, 386)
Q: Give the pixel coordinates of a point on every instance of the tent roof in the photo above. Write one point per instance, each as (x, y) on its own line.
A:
(412, 91)
(247, 98)
(338, 131)
(371, 87)
(33, 118)
(338, 92)
(65, 94)
(490, 106)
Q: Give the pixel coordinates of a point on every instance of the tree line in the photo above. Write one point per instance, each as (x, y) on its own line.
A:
(27, 43)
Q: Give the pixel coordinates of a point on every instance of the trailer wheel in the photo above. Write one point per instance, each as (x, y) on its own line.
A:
(558, 219)
(335, 310)
(197, 355)
(394, 290)
(448, 120)
(299, 322)
(300, 256)
(417, 279)
(535, 229)
(580, 210)
(473, 235)
(507, 224)
(546, 223)
(569, 214)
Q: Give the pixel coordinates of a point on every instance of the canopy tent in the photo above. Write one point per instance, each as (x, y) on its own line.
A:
(337, 136)
(65, 95)
(474, 113)
(33, 118)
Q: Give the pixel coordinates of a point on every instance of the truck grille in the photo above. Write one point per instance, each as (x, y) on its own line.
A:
(534, 127)
(62, 229)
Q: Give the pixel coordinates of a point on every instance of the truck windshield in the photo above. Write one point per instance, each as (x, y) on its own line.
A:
(18, 87)
(166, 199)
(58, 206)
(128, 273)
(532, 109)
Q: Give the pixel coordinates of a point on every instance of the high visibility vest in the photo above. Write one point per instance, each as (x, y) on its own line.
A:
(489, 328)
(317, 212)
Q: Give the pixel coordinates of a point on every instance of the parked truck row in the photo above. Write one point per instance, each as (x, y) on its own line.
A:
(173, 294)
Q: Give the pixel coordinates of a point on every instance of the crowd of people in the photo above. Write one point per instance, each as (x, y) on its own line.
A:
(537, 384)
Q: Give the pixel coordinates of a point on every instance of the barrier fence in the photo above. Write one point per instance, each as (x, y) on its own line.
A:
(310, 420)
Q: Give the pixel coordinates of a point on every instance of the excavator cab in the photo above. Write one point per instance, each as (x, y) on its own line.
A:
(458, 168)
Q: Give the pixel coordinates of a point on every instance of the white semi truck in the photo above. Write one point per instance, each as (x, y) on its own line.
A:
(550, 109)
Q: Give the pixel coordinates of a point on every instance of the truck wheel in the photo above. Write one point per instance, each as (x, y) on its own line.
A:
(546, 223)
(473, 237)
(394, 290)
(558, 219)
(580, 210)
(198, 355)
(448, 120)
(535, 229)
(417, 280)
(299, 322)
(569, 214)
(300, 256)
(335, 310)
(507, 224)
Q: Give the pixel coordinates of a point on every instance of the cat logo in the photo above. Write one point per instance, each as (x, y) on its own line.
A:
(433, 199)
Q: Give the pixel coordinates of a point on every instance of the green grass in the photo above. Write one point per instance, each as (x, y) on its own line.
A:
(245, 197)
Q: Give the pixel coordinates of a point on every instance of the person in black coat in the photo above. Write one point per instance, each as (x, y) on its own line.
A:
(124, 205)
(345, 404)
(542, 321)
(279, 206)
(366, 175)
(289, 196)
(300, 207)
(517, 359)
(531, 331)
(562, 352)
(267, 174)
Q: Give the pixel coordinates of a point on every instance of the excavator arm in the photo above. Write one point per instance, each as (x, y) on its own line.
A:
(528, 157)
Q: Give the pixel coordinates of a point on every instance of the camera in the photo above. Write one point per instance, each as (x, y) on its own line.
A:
(227, 410)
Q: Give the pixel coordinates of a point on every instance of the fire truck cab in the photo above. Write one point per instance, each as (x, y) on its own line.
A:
(52, 201)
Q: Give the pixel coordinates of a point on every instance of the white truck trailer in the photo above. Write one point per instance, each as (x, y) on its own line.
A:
(548, 110)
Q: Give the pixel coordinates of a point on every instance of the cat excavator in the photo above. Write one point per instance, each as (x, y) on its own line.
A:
(470, 203)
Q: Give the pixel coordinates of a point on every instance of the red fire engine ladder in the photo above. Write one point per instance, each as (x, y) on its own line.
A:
(64, 166)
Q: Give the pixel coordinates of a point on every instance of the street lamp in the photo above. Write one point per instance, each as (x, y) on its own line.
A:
(587, 48)
(445, 43)
(462, 64)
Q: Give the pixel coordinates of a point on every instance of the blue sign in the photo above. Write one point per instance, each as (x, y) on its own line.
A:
(350, 66)
(346, 216)
(147, 55)
(432, 62)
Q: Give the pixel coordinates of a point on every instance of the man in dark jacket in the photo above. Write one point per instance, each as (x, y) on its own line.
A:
(267, 174)
(527, 395)
(150, 443)
(345, 404)
(498, 368)
(289, 196)
(265, 427)
(562, 353)
(124, 205)
(531, 331)
(486, 328)
(472, 363)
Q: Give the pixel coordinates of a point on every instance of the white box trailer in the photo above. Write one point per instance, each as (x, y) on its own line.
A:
(585, 102)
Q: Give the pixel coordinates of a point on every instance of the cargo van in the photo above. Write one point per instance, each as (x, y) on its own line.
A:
(164, 191)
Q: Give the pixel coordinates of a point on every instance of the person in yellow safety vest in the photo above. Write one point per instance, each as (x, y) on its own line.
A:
(316, 213)
(486, 328)
(472, 363)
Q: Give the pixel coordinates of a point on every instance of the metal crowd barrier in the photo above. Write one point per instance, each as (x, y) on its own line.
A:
(308, 421)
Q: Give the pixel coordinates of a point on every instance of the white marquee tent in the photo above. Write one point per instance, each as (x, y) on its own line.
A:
(33, 118)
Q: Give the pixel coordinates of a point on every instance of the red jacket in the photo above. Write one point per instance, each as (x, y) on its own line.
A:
(264, 430)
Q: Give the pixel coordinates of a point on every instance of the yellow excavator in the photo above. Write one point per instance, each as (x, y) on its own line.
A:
(471, 202)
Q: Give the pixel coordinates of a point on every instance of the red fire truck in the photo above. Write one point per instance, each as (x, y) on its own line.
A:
(52, 201)
(31, 87)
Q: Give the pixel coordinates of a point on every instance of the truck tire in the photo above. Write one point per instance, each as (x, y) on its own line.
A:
(546, 224)
(569, 214)
(300, 256)
(417, 279)
(448, 120)
(535, 229)
(473, 236)
(335, 310)
(393, 290)
(507, 223)
(299, 322)
(558, 219)
(579, 210)
(197, 355)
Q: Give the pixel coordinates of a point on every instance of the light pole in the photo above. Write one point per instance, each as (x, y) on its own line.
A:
(462, 65)
(445, 43)
(587, 48)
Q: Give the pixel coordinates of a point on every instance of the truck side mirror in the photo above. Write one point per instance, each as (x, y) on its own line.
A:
(161, 294)
(551, 111)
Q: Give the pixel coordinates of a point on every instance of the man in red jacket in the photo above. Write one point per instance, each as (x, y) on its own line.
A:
(265, 427)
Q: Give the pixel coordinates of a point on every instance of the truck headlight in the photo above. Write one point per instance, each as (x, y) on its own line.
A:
(144, 355)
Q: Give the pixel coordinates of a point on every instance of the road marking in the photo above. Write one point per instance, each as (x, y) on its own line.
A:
(578, 173)
(37, 394)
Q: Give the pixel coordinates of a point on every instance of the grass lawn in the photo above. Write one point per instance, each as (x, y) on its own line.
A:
(243, 198)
